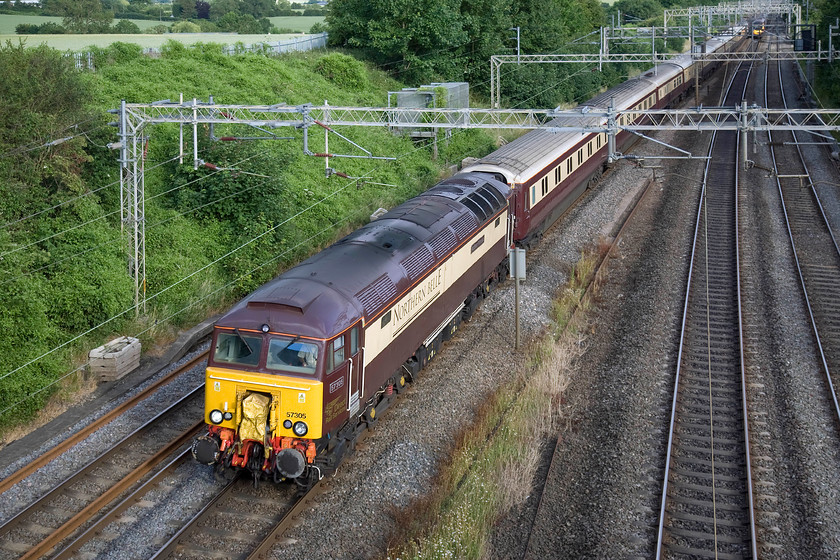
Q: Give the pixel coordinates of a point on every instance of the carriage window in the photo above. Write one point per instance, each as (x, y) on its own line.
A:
(292, 355)
(354, 341)
(236, 348)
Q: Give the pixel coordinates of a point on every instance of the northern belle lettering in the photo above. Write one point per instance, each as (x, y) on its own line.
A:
(416, 300)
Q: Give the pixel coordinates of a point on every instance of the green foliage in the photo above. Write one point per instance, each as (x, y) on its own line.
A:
(83, 16)
(186, 27)
(47, 28)
(343, 70)
(319, 28)
(638, 10)
(452, 40)
(126, 27)
(243, 24)
(417, 37)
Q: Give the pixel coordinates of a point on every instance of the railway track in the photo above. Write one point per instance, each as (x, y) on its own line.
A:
(249, 519)
(82, 496)
(707, 506)
(815, 248)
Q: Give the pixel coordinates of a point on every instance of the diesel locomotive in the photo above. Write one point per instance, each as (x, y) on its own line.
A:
(301, 366)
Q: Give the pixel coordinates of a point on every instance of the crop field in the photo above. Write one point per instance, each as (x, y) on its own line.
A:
(78, 43)
(81, 42)
(8, 22)
(296, 23)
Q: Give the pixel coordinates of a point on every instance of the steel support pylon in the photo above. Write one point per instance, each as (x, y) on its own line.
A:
(133, 204)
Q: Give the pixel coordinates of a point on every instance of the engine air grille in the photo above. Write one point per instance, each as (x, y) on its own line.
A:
(377, 294)
(443, 242)
(465, 225)
(418, 262)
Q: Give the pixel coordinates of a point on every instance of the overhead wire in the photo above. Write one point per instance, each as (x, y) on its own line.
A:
(178, 282)
(79, 197)
(53, 142)
(201, 269)
(106, 215)
(188, 306)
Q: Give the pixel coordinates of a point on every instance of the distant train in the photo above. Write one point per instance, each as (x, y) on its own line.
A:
(301, 366)
(758, 26)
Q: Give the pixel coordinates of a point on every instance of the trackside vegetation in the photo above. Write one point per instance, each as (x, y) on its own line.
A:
(213, 234)
(497, 455)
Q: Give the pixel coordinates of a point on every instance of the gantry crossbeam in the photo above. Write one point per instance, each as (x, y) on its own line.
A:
(135, 117)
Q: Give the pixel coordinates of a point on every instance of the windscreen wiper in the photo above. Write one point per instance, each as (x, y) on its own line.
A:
(245, 342)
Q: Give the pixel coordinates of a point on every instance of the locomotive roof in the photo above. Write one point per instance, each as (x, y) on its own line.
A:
(361, 273)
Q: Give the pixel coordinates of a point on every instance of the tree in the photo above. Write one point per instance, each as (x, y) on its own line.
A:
(83, 16)
(258, 8)
(186, 27)
(184, 9)
(126, 27)
(417, 37)
(218, 8)
(202, 9)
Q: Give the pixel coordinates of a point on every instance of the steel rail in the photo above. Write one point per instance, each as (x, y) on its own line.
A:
(115, 487)
(82, 433)
(703, 218)
(72, 549)
(824, 227)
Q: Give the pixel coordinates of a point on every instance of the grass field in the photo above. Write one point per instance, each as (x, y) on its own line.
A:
(296, 23)
(79, 43)
(300, 23)
(8, 22)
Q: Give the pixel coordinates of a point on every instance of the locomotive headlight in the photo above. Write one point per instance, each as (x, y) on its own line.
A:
(287, 424)
(300, 429)
(228, 416)
(216, 416)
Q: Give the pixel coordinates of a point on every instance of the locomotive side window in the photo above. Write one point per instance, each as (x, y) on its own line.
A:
(292, 355)
(236, 348)
(335, 357)
(354, 341)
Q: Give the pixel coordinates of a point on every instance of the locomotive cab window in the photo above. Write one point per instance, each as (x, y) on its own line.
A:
(292, 355)
(237, 348)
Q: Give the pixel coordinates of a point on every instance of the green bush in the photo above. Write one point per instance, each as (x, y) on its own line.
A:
(126, 27)
(186, 27)
(345, 71)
